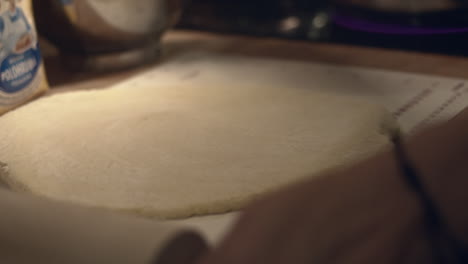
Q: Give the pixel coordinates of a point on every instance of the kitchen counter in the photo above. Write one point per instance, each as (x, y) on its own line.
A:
(176, 41)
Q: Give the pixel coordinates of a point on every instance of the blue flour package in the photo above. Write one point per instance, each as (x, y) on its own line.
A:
(22, 76)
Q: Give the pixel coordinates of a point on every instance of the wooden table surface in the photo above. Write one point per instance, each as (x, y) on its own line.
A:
(177, 41)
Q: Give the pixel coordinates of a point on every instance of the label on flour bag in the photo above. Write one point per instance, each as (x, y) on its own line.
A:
(22, 75)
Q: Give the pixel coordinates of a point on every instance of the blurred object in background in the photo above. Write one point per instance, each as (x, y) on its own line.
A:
(409, 6)
(422, 25)
(299, 19)
(102, 35)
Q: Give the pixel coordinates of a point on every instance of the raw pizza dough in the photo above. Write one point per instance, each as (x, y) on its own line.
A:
(173, 152)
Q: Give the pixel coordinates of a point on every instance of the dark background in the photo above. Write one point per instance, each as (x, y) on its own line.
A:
(316, 21)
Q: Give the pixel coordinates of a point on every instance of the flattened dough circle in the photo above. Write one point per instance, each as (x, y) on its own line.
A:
(172, 152)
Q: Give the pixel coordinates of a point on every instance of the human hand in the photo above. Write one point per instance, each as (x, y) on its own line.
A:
(364, 214)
